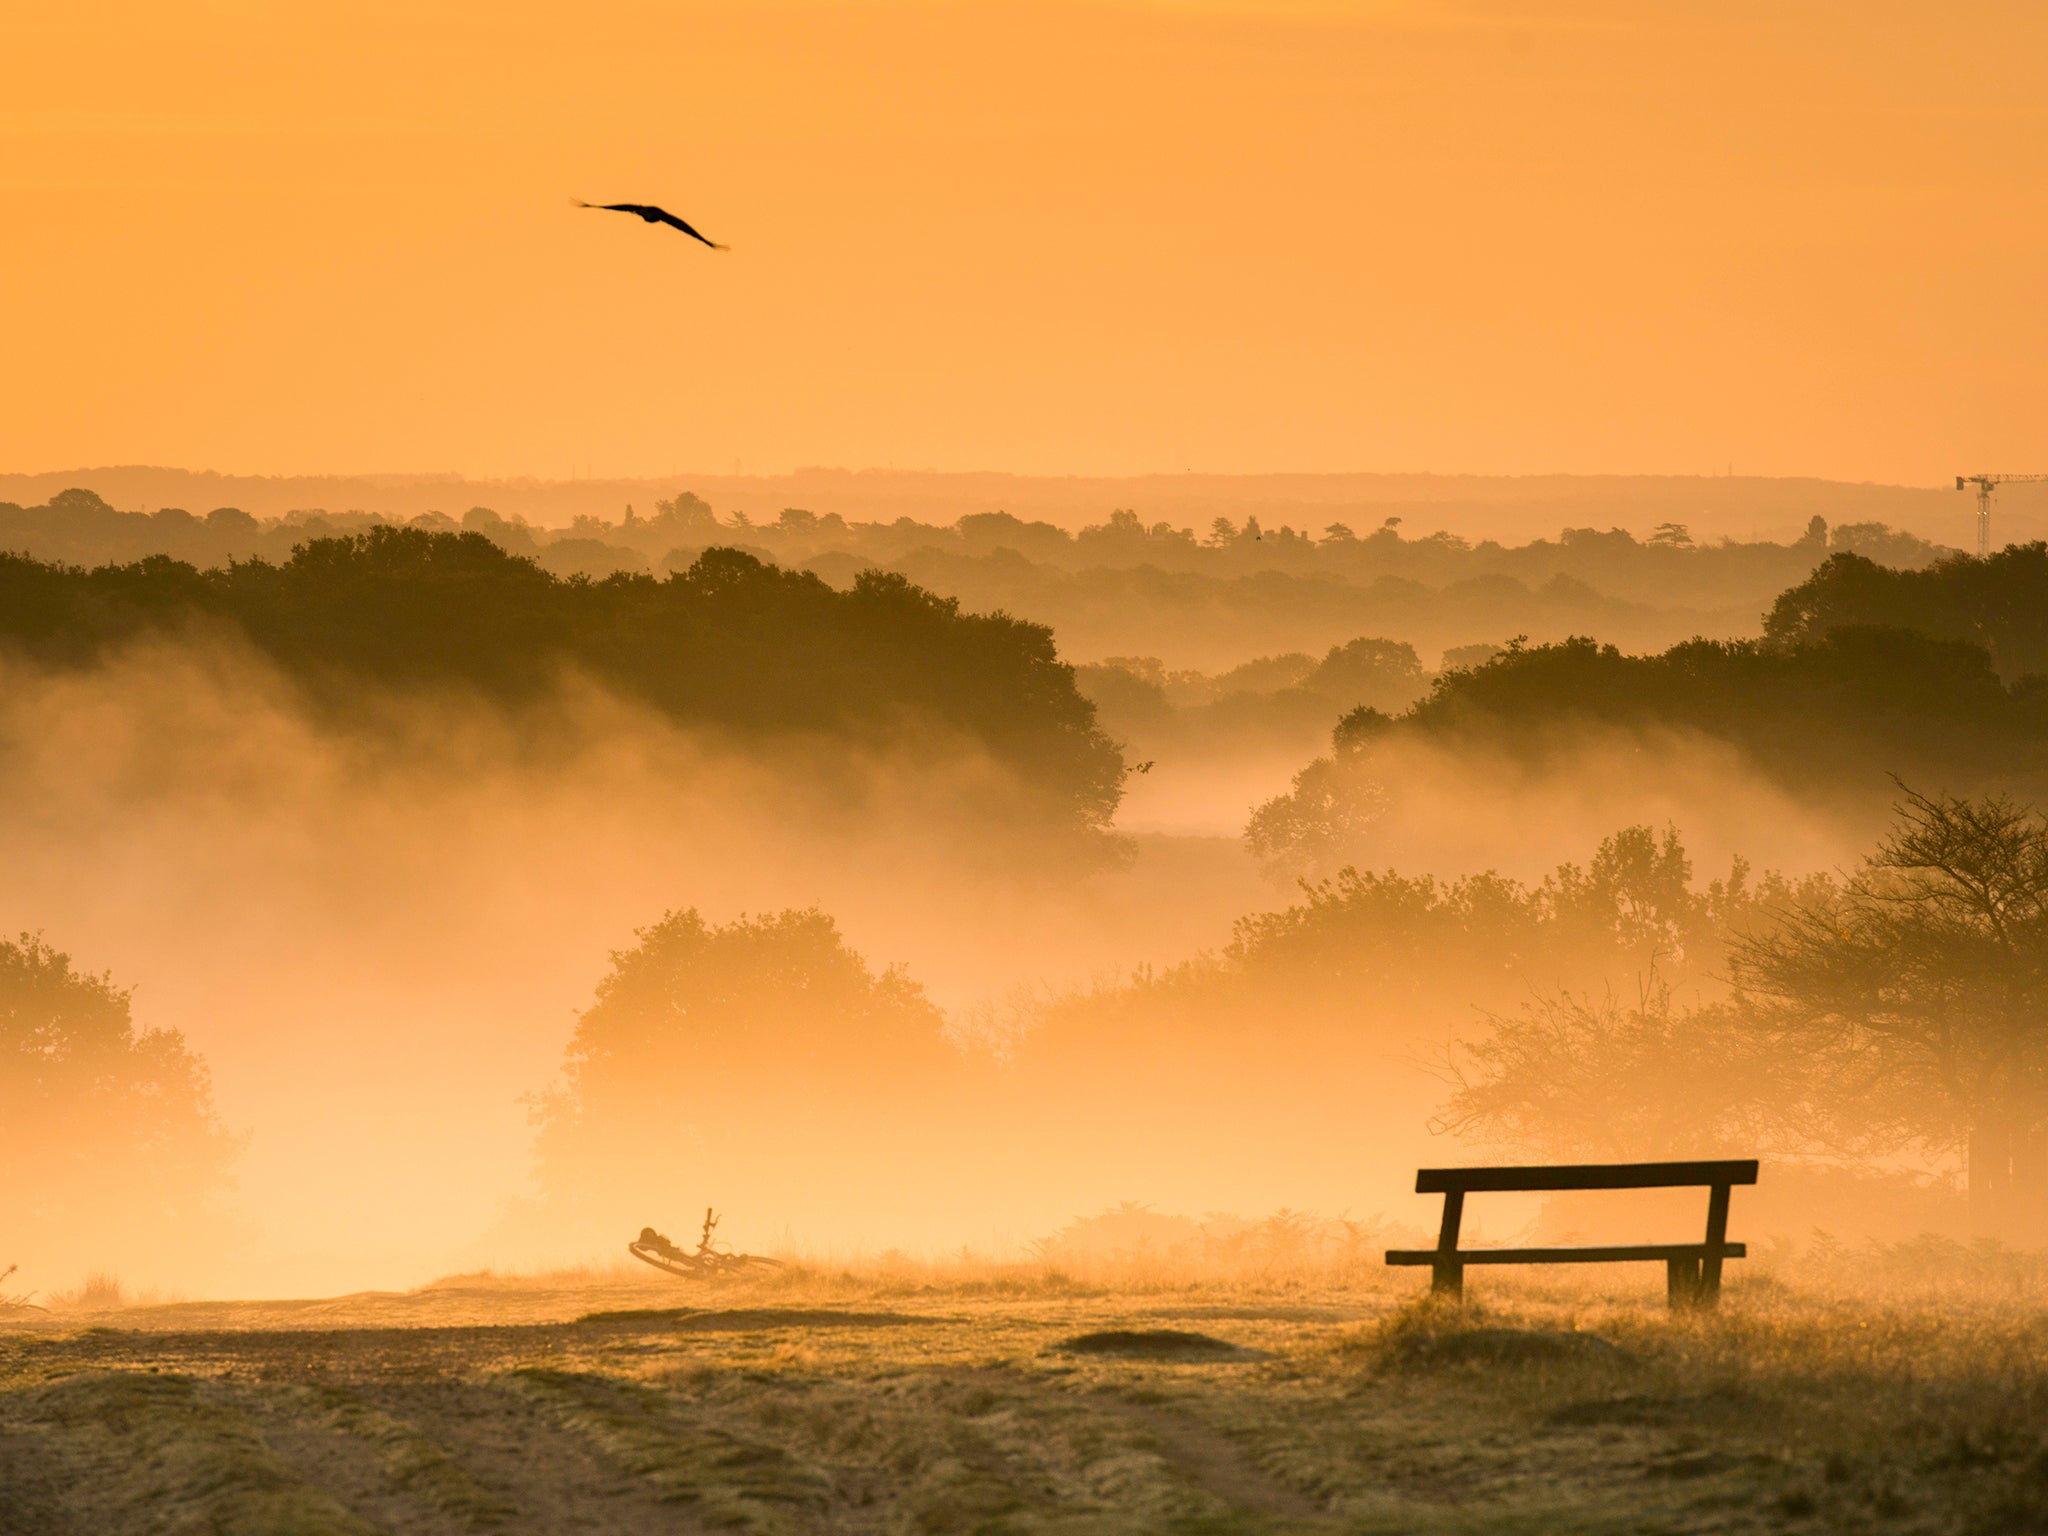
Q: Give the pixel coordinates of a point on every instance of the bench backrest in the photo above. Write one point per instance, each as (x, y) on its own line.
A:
(1440, 1181)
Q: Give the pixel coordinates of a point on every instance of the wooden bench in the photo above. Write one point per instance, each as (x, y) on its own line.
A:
(1692, 1270)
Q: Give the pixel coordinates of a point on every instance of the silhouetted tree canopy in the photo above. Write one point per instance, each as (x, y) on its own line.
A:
(1128, 584)
(1306, 1041)
(694, 998)
(1831, 718)
(1865, 688)
(1996, 603)
(1399, 950)
(710, 1047)
(731, 643)
(99, 1122)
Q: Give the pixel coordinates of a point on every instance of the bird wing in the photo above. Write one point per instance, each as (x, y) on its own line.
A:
(670, 219)
(649, 211)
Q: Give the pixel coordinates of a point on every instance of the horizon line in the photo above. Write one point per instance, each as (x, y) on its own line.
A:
(449, 476)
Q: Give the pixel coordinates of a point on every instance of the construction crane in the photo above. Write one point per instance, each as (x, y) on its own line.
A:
(1985, 485)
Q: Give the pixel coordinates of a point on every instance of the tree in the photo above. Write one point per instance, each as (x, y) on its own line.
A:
(1386, 674)
(684, 518)
(1632, 909)
(1923, 982)
(102, 1123)
(719, 1046)
(1902, 1011)
(1579, 1077)
(1330, 812)
(1592, 1076)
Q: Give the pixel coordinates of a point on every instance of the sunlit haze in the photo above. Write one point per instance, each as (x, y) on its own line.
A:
(833, 766)
(1796, 237)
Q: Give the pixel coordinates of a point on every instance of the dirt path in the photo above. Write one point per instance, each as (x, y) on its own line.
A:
(1213, 1463)
(448, 1459)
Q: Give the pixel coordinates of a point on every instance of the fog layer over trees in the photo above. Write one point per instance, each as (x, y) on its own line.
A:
(729, 643)
(885, 965)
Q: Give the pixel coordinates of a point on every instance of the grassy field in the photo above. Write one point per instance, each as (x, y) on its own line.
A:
(977, 1398)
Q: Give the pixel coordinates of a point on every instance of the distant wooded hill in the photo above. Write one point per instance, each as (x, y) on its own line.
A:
(1210, 597)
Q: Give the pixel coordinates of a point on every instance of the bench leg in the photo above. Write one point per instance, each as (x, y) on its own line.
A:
(1682, 1286)
(1717, 1234)
(1447, 1275)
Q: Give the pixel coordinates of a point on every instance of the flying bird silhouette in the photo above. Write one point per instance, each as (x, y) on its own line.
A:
(652, 215)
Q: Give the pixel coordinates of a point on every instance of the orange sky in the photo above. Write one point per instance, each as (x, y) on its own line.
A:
(1800, 237)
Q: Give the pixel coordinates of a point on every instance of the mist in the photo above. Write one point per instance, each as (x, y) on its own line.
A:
(379, 943)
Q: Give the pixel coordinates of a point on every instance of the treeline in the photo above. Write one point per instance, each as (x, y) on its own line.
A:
(1938, 676)
(676, 530)
(1198, 597)
(731, 643)
(1268, 1071)
(1616, 1008)
(1195, 620)
(1996, 603)
(1814, 710)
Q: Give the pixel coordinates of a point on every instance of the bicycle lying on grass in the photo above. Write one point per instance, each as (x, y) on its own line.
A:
(707, 1263)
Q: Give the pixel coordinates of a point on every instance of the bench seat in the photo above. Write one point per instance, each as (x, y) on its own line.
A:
(1643, 1251)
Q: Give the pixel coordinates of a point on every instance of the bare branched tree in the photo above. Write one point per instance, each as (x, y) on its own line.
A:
(1592, 1078)
(1923, 984)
